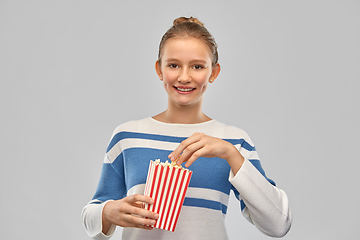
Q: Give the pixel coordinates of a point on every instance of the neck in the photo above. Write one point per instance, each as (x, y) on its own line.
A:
(182, 115)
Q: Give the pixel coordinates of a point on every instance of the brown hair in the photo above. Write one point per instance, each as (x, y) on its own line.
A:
(190, 27)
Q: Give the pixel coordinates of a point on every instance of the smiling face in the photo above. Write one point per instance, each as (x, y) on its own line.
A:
(186, 69)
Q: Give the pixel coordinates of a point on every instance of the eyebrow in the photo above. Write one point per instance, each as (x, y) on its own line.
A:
(192, 61)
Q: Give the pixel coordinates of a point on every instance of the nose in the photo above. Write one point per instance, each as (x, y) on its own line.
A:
(184, 76)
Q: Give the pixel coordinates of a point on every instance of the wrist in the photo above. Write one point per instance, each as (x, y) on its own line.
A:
(106, 224)
(234, 159)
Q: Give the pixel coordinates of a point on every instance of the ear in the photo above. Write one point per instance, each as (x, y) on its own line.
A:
(158, 70)
(215, 73)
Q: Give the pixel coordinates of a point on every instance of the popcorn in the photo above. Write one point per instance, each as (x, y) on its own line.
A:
(167, 184)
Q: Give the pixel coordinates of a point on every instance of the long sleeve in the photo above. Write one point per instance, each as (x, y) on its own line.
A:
(266, 206)
(92, 221)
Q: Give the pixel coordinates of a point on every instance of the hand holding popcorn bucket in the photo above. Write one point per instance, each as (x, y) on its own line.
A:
(167, 184)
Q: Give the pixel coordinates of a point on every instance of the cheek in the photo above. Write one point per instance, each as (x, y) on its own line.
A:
(204, 87)
(203, 80)
(167, 82)
(169, 77)
(166, 85)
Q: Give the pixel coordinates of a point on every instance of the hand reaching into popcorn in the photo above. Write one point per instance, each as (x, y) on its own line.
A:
(202, 145)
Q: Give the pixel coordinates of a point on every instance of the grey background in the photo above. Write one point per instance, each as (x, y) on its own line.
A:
(71, 71)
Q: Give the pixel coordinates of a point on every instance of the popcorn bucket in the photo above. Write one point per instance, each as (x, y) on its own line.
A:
(167, 184)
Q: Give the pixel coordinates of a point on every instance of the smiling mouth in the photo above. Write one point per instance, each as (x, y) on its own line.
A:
(182, 89)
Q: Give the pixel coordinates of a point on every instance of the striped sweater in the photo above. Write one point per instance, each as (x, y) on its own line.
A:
(124, 172)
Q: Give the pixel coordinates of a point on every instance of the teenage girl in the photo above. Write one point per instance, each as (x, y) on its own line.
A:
(222, 158)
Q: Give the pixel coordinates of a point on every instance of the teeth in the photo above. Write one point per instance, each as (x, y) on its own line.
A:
(185, 89)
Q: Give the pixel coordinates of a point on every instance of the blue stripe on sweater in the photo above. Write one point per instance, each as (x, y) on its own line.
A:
(242, 142)
(110, 186)
(123, 135)
(203, 203)
(164, 138)
(137, 162)
(242, 204)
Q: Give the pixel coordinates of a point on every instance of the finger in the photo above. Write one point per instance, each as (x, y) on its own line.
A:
(189, 151)
(146, 227)
(181, 147)
(138, 221)
(143, 212)
(132, 199)
(136, 209)
(129, 223)
(199, 153)
(131, 206)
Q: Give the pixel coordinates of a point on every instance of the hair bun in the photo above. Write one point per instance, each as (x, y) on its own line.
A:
(185, 19)
(190, 27)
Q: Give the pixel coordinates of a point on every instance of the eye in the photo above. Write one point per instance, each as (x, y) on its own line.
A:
(173, 65)
(198, 67)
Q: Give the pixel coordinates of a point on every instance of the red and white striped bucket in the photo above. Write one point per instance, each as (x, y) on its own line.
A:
(167, 185)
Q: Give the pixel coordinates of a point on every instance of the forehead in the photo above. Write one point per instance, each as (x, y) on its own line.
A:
(186, 48)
